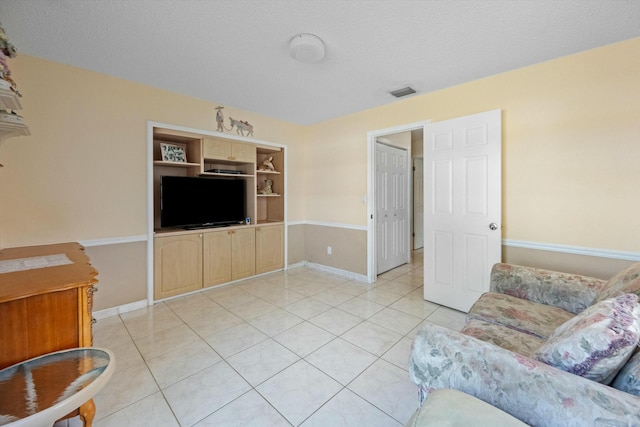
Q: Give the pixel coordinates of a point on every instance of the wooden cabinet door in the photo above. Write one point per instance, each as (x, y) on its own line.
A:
(215, 149)
(243, 153)
(178, 265)
(269, 248)
(228, 150)
(216, 251)
(243, 253)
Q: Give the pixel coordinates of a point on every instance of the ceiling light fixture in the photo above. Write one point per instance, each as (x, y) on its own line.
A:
(306, 48)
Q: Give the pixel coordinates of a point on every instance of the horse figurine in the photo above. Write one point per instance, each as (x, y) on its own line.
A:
(241, 127)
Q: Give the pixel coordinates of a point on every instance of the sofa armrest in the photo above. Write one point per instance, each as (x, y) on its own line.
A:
(529, 390)
(571, 292)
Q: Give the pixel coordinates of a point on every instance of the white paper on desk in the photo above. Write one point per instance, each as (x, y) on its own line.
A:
(21, 264)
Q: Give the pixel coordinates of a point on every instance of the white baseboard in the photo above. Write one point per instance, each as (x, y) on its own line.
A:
(328, 224)
(113, 241)
(114, 311)
(336, 271)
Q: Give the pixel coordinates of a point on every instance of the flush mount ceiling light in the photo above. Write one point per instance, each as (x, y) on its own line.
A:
(306, 48)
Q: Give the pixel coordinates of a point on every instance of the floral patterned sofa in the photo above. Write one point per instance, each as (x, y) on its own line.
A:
(549, 348)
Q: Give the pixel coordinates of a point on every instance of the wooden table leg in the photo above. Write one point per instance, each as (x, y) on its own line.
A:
(87, 413)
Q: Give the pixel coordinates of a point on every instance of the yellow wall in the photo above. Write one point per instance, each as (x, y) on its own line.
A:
(571, 151)
(81, 174)
(571, 148)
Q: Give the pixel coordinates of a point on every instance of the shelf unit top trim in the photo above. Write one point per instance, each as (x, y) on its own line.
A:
(198, 133)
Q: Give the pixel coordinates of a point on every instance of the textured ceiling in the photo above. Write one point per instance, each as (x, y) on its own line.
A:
(235, 53)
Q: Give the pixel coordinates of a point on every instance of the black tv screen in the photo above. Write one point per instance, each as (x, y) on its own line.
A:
(192, 202)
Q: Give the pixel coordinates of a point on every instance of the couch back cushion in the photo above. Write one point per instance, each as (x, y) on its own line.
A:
(596, 343)
(628, 379)
(627, 281)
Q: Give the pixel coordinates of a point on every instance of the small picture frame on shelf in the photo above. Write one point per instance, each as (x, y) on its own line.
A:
(173, 153)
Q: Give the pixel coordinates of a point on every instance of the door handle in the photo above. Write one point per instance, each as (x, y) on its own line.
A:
(493, 226)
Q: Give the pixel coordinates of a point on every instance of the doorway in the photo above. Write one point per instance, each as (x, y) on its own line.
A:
(374, 231)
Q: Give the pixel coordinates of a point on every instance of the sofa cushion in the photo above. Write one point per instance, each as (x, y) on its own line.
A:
(597, 342)
(502, 336)
(628, 379)
(571, 292)
(520, 314)
(627, 281)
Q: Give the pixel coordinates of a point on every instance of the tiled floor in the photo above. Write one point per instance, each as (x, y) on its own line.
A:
(300, 347)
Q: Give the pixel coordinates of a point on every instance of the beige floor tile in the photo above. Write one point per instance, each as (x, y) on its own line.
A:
(448, 317)
(336, 321)
(371, 337)
(262, 361)
(182, 362)
(388, 388)
(416, 307)
(299, 391)
(347, 409)
(397, 321)
(164, 341)
(149, 320)
(304, 338)
(152, 411)
(209, 323)
(235, 339)
(123, 389)
(249, 410)
(307, 308)
(361, 307)
(341, 360)
(333, 296)
(253, 309)
(198, 396)
(399, 353)
(276, 322)
(381, 296)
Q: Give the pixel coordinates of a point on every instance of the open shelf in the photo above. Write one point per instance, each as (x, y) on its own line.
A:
(8, 130)
(9, 100)
(230, 175)
(176, 164)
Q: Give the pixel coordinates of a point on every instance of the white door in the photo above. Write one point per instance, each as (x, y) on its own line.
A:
(463, 215)
(392, 214)
(418, 203)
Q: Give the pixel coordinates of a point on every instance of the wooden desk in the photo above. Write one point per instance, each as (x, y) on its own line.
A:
(43, 310)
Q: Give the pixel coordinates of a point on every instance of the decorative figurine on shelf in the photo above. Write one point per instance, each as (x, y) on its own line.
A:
(267, 165)
(7, 50)
(220, 119)
(241, 127)
(268, 187)
(268, 184)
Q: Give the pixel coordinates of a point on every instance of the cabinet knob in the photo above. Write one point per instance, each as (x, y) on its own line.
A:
(94, 320)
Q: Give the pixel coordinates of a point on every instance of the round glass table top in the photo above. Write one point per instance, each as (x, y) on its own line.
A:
(42, 390)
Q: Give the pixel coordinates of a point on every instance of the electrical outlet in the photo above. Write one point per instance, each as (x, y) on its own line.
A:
(328, 250)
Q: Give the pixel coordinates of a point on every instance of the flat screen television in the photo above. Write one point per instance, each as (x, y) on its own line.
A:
(198, 202)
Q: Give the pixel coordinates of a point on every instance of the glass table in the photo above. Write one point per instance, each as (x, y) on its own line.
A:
(39, 391)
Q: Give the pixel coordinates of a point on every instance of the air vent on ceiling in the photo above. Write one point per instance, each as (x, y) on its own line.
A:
(402, 92)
